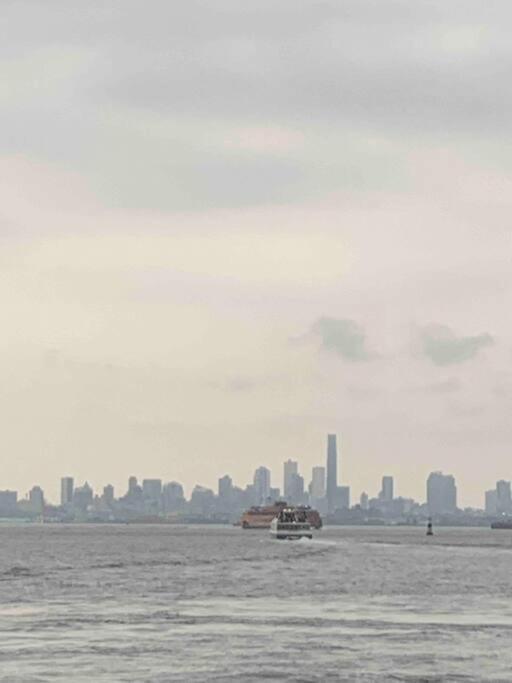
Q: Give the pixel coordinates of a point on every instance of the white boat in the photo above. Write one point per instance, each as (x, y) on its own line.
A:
(291, 524)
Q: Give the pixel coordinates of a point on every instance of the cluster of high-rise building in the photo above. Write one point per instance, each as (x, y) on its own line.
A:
(153, 498)
(322, 492)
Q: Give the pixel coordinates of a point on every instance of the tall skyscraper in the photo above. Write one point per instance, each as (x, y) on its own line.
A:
(66, 490)
(441, 493)
(332, 472)
(261, 485)
(290, 468)
(386, 493)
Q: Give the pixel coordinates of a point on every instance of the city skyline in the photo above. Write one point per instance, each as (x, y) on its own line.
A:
(440, 499)
(322, 489)
(305, 468)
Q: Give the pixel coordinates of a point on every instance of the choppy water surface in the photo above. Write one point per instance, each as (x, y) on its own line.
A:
(154, 603)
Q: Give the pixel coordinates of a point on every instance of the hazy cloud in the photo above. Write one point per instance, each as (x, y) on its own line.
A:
(143, 102)
(444, 347)
(185, 186)
(343, 337)
(235, 384)
(447, 386)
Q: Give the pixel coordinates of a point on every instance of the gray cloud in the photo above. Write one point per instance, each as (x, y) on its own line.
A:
(343, 337)
(444, 347)
(366, 70)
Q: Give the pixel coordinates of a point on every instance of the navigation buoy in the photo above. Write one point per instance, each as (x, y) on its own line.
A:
(430, 531)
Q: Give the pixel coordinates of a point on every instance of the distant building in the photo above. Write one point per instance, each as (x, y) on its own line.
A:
(225, 495)
(405, 505)
(133, 485)
(66, 490)
(225, 487)
(441, 493)
(250, 494)
(275, 493)
(8, 500)
(342, 498)
(173, 497)
(491, 502)
(295, 490)
(108, 495)
(503, 498)
(291, 468)
(261, 483)
(332, 473)
(386, 493)
(82, 497)
(317, 486)
(239, 500)
(152, 489)
(36, 499)
(134, 498)
(202, 501)
(363, 501)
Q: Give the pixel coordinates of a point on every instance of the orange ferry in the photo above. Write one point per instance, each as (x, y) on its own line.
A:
(260, 517)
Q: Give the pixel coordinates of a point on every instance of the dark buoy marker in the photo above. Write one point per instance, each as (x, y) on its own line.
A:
(430, 531)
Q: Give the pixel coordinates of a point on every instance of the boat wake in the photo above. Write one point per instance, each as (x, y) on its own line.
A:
(321, 542)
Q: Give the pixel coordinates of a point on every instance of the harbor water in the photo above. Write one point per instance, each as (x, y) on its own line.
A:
(169, 603)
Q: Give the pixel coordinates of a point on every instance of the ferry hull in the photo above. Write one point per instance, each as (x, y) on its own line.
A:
(290, 536)
(262, 516)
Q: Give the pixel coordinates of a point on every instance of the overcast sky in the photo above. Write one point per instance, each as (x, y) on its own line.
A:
(230, 227)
